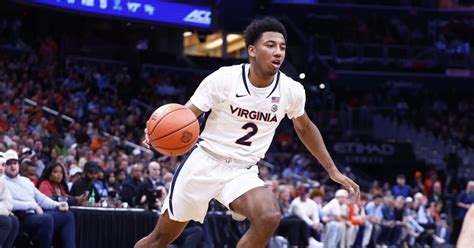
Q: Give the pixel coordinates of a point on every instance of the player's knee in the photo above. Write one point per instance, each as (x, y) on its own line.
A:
(270, 219)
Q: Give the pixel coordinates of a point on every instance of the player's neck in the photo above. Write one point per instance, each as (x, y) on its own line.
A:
(259, 79)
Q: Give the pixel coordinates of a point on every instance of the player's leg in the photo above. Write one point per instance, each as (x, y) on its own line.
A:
(261, 208)
(165, 232)
(189, 197)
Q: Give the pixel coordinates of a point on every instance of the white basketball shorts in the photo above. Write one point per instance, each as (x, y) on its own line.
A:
(201, 177)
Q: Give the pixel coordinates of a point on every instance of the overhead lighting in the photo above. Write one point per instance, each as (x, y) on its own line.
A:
(218, 42)
(322, 86)
(302, 76)
(187, 33)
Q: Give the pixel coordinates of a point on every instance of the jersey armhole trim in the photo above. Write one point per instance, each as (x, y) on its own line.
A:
(276, 84)
(244, 78)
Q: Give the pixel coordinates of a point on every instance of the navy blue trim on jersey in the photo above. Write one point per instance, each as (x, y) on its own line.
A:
(176, 176)
(276, 84)
(202, 124)
(203, 120)
(244, 77)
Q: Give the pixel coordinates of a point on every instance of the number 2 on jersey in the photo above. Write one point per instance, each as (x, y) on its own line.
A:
(245, 139)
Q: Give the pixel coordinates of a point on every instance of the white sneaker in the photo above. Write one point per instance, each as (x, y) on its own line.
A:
(439, 240)
(313, 243)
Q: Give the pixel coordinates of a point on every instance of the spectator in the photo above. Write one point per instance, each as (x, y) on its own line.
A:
(291, 226)
(41, 157)
(8, 222)
(28, 170)
(464, 200)
(152, 190)
(429, 181)
(419, 187)
(401, 188)
(390, 229)
(75, 173)
(27, 152)
(335, 224)
(375, 188)
(425, 220)
(284, 199)
(120, 177)
(110, 183)
(130, 187)
(307, 210)
(374, 214)
(85, 186)
(53, 184)
(28, 205)
(101, 184)
(356, 216)
(318, 196)
(437, 193)
(414, 229)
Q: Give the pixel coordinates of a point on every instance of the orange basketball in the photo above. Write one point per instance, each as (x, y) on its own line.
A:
(172, 129)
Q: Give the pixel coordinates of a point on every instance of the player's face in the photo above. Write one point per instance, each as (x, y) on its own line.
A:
(269, 52)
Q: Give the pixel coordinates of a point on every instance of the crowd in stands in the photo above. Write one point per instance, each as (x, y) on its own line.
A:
(80, 163)
(407, 41)
(444, 113)
(76, 163)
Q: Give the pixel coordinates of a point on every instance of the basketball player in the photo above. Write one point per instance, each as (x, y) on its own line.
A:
(466, 238)
(248, 102)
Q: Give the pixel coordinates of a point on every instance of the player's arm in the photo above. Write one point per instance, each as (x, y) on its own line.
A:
(193, 108)
(466, 238)
(309, 134)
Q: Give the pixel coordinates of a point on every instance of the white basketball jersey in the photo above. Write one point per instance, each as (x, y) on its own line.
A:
(244, 118)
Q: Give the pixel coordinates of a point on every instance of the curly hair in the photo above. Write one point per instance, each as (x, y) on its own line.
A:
(254, 30)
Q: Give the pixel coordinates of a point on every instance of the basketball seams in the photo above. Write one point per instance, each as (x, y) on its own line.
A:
(180, 128)
(171, 149)
(158, 122)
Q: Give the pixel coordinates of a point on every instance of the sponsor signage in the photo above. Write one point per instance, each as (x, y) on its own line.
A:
(148, 10)
(373, 153)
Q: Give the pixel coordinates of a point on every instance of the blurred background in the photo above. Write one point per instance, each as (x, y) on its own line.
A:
(390, 84)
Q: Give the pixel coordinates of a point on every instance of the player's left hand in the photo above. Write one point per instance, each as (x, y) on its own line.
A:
(347, 183)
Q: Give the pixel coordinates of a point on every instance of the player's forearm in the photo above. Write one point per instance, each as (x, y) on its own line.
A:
(193, 108)
(312, 139)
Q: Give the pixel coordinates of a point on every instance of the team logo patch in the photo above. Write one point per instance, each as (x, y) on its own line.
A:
(186, 137)
(274, 108)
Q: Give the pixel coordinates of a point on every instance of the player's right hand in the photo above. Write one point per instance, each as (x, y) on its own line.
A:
(147, 139)
(347, 183)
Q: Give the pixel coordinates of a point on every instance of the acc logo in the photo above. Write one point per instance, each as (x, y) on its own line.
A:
(199, 16)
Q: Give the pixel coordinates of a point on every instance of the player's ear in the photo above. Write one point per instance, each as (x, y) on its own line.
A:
(251, 51)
